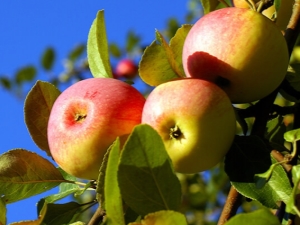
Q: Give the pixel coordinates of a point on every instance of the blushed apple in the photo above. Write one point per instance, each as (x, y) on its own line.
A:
(283, 15)
(85, 120)
(126, 68)
(196, 121)
(240, 50)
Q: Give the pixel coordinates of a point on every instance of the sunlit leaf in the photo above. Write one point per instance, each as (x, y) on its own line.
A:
(160, 62)
(25, 74)
(24, 174)
(37, 108)
(113, 198)
(48, 58)
(146, 177)
(76, 52)
(291, 203)
(2, 212)
(292, 135)
(164, 217)
(258, 217)
(97, 48)
(209, 5)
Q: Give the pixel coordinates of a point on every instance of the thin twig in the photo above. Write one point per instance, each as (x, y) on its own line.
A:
(97, 217)
(234, 200)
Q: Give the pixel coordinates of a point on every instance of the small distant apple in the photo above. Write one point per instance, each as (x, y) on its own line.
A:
(196, 121)
(126, 68)
(240, 50)
(85, 120)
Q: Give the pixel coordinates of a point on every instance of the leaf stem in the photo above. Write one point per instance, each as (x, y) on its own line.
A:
(98, 216)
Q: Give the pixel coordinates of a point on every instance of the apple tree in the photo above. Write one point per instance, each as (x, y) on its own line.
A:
(214, 143)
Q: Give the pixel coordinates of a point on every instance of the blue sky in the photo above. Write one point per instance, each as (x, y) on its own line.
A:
(28, 27)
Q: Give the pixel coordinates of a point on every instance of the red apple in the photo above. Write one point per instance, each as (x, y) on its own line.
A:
(85, 120)
(240, 50)
(196, 121)
(126, 68)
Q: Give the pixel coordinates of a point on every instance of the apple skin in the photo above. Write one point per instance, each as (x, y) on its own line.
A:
(196, 121)
(85, 120)
(240, 50)
(126, 68)
(283, 15)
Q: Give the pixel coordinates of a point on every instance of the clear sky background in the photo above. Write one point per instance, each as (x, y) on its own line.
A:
(28, 27)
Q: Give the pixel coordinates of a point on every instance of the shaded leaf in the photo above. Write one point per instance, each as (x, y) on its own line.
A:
(5, 82)
(37, 108)
(146, 177)
(275, 130)
(2, 212)
(258, 217)
(164, 217)
(61, 213)
(97, 48)
(293, 79)
(172, 27)
(113, 198)
(76, 52)
(27, 73)
(24, 174)
(115, 50)
(132, 40)
(291, 203)
(48, 58)
(248, 157)
(209, 5)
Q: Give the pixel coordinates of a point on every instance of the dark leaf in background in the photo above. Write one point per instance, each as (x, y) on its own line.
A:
(48, 58)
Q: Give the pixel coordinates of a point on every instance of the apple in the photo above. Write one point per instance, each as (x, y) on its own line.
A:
(126, 68)
(196, 121)
(283, 15)
(85, 120)
(240, 50)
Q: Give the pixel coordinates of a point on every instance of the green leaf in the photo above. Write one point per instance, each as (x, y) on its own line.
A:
(146, 177)
(164, 217)
(62, 213)
(293, 78)
(113, 198)
(5, 82)
(115, 50)
(209, 5)
(258, 217)
(132, 40)
(37, 108)
(291, 203)
(76, 52)
(2, 212)
(48, 58)
(24, 174)
(292, 135)
(160, 62)
(27, 73)
(275, 130)
(250, 156)
(97, 48)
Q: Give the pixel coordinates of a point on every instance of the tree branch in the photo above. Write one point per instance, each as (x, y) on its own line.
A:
(97, 217)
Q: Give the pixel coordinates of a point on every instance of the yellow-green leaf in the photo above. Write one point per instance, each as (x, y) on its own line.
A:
(2, 212)
(37, 108)
(97, 48)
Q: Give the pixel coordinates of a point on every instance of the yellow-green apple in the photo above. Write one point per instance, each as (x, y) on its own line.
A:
(85, 120)
(240, 50)
(283, 15)
(196, 121)
(126, 68)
